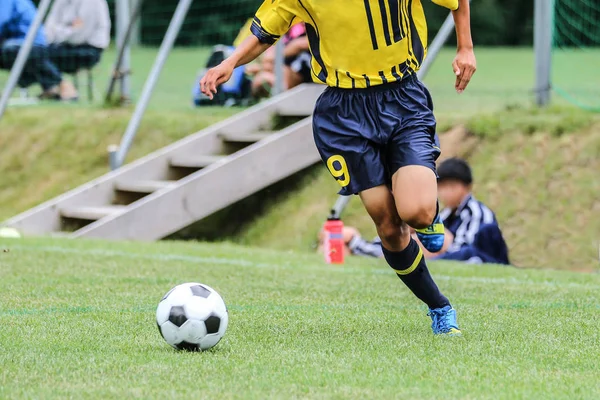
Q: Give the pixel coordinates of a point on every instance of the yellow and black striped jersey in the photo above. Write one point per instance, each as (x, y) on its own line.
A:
(354, 43)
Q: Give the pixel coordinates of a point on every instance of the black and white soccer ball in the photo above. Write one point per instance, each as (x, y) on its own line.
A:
(192, 316)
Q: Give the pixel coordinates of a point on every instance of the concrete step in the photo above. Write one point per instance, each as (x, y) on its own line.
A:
(300, 111)
(204, 192)
(60, 234)
(90, 213)
(245, 137)
(142, 186)
(198, 162)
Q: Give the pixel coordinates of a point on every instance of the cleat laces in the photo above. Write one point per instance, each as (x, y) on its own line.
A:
(440, 321)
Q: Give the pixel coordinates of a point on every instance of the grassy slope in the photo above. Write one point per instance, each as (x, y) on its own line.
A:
(544, 185)
(42, 157)
(78, 322)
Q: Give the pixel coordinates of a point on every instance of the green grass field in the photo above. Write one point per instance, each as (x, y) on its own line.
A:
(77, 322)
(505, 76)
(173, 89)
(497, 83)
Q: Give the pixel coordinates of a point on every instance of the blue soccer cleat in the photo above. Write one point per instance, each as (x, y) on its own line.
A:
(444, 321)
(432, 237)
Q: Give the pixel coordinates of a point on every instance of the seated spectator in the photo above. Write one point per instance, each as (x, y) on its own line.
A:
(78, 31)
(16, 17)
(297, 58)
(472, 231)
(262, 74)
(297, 63)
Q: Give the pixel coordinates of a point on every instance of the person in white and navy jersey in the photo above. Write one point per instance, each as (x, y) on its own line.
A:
(472, 231)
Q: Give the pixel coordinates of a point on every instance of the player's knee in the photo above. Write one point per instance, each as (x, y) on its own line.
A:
(391, 231)
(420, 217)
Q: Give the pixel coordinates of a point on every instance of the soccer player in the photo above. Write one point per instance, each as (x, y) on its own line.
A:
(374, 125)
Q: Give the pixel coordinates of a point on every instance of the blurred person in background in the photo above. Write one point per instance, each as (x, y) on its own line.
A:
(472, 231)
(16, 17)
(78, 31)
(297, 61)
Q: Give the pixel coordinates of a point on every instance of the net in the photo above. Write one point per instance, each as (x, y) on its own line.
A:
(208, 22)
(576, 52)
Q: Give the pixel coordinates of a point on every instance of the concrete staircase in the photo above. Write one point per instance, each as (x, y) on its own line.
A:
(187, 180)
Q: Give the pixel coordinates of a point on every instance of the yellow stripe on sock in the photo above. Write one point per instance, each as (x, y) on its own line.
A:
(413, 266)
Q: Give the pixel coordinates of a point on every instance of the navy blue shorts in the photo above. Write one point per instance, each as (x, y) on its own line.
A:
(365, 135)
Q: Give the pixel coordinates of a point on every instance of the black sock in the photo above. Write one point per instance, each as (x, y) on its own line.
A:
(410, 266)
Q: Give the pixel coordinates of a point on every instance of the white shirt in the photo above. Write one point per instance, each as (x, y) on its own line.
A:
(95, 30)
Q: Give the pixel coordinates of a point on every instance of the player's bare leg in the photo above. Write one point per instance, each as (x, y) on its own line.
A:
(415, 193)
(379, 203)
(403, 253)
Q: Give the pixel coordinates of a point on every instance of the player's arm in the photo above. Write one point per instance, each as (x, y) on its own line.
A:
(464, 64)
(246, 52)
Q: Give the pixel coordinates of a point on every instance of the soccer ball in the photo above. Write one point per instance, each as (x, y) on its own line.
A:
(6, 232)
(192, 317)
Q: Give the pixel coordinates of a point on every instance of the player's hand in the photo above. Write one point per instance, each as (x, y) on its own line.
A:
(464, 66)
(214, 77)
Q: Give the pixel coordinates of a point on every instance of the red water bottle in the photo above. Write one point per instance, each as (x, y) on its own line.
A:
(333, 246)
